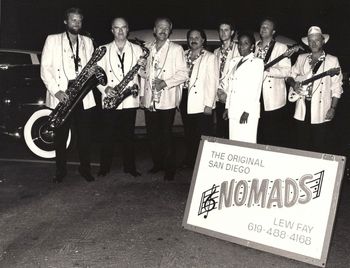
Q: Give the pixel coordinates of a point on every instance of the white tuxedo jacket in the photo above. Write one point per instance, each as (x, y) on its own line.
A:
(173, 71)
(244, 87)
(112, 66)
(203, 84)
(57, 66)
(274, 87)
(231, 54)
(323, 89)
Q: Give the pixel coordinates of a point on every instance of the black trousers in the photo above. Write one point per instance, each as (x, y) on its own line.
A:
(122, 124)
(273, 127)
(222, 126)
(195, 125)
(81, 120)
(159, 130)
(312, 137)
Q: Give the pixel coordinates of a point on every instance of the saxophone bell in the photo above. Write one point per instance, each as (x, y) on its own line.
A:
(40, 127)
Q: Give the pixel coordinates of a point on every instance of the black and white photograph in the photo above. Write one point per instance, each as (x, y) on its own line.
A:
(172, 133)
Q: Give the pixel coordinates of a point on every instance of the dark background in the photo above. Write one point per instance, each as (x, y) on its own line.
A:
(26, 23)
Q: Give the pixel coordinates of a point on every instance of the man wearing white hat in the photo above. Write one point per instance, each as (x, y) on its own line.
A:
(316, 102)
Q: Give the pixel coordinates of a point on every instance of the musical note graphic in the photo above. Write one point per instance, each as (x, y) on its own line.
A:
(315, 185)
(208, 201)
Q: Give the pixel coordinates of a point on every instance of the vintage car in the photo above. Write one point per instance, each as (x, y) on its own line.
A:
(22, 93)
(21, 89)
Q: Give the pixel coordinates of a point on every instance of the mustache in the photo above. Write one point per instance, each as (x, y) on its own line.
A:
(73, 31)
(194, 43)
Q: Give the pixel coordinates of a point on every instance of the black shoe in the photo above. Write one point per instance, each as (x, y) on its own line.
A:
(169, 176)
(154, 170)
(102, 173)
(133, 172)
(187, 164)
(86, 175)
(59, 177)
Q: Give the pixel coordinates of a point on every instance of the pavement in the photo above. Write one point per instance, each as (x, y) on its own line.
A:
(119, 220)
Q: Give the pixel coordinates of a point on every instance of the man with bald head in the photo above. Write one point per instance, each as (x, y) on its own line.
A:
(119, 59)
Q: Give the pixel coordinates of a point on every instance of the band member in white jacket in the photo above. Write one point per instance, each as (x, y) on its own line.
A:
(244, 88)
(120, 58)
(63, 57)
(224, 54)
(273, 119)
(166, 70)
(198, 93)
(316, 102)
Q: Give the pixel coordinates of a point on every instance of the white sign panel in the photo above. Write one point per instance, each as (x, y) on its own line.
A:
(274, 199)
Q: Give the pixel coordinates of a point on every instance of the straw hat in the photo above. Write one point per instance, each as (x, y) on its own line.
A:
(314, 30)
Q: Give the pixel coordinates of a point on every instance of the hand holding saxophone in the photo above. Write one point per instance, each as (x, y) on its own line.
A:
(110, 91)
(62, 96)
(142, 61)
(158, 84)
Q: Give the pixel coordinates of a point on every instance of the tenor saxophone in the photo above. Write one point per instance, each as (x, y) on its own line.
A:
(90, 76)
(120, 92)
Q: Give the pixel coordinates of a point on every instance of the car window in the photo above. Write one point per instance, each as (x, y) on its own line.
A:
(13, 58)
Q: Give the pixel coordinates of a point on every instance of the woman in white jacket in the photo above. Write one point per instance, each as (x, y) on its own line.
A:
(244, 88)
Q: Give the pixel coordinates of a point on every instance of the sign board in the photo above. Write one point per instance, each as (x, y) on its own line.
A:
(269, 198)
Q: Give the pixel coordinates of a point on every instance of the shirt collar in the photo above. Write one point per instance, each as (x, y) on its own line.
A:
(259, 43)
(126, 46)
(229, 48)
(165, 45)
(66, 38)
(249, 56)
(321, 58)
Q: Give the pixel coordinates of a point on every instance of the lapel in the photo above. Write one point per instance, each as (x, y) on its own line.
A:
(164, 54)
(230, 56)
(321, 69)
(113, 60)
(233, 51)
(196, 69)
(244, 67)
(67, 53)
(130, 59)
(83, 51)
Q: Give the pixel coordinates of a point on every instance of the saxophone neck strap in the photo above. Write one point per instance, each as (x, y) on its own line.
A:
(121, 60)
(75, 56)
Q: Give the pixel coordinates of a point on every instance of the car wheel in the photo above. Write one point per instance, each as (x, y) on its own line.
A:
(38, 138)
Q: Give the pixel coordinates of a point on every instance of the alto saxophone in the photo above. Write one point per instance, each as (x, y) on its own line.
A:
(90, 76)
(120, 92)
